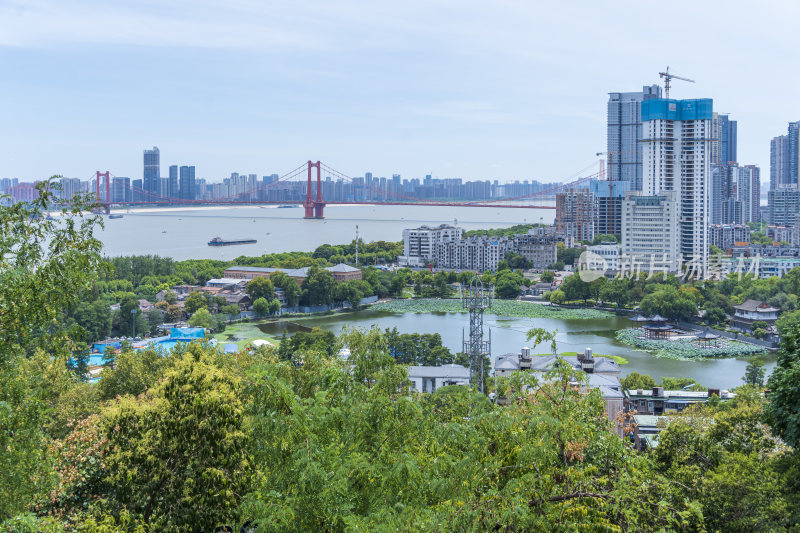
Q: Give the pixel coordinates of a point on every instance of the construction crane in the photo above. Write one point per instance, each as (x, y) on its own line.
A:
(667, 77)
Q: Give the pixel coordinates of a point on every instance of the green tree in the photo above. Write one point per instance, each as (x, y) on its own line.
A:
(274, 307)
(195, 301)
(317, 287)
(261, 307)
(635, 380)
(557, 297)
(202, 319)
(260, 287)
(133, 373)
(231, 310)
(667, 301)
(754, 373)
(547, 277)
(44, 265)
(289, 286)
(604, 238)
(784, 383)
(179, 458)
(94, 318)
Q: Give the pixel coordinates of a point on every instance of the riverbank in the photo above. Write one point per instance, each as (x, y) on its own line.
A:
(687, 349)
(509, 308)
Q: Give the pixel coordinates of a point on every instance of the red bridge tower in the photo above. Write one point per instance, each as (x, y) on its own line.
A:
(314, 208)
(107, 203)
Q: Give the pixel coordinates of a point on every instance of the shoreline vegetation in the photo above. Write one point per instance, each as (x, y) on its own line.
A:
(687, 349)
(510, 308)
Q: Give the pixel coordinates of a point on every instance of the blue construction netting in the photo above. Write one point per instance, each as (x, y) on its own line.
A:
(187, 333)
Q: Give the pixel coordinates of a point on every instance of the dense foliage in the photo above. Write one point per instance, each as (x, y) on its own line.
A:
(298, 439)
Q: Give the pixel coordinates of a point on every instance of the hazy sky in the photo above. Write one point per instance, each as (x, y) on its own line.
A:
(471, 89)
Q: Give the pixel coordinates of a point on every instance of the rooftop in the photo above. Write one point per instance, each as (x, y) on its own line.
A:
(444, 371)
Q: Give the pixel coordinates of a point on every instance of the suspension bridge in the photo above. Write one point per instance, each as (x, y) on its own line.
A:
(314, 202)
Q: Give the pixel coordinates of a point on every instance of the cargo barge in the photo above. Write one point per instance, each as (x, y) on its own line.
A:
(219, 241)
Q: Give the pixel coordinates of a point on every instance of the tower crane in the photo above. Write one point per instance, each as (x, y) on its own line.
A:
(667, 77)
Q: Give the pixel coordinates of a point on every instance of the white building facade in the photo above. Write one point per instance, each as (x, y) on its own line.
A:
(650, 233)
(419, 244)
(677, 140)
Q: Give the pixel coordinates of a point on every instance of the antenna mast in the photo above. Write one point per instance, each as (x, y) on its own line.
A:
(356, 244)
(477, 299)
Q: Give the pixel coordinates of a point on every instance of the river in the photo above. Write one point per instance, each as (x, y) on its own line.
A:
(183, 233)
(509, 335)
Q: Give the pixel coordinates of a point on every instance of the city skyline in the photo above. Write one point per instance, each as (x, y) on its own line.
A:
(510, 92)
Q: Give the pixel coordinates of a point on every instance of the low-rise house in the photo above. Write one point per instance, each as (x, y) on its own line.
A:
(145, 305)
(657, 401)
(646, 430)
(602, 373)
(340, 272)
(226, 283)
(753, 311)
(430, 378)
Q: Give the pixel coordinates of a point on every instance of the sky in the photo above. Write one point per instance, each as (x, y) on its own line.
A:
(500, 90)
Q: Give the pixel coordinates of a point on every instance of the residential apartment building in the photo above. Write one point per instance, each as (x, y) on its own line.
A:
(624, 136)
(725, 236)
(608, 196)
(419, 244)
(477, 252)
(152, 174)
(650, 234)
(677, 137)
(724, 140)
(575, 215)
(187, 191)
(748, 192)
(539, 246)
(779, 163)
(784, 204)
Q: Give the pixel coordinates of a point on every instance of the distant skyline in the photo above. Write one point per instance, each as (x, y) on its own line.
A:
(476, 90)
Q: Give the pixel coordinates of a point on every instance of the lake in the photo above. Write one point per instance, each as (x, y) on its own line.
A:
(509, 335)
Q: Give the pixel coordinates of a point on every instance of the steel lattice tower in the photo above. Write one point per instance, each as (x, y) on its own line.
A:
(477, 299)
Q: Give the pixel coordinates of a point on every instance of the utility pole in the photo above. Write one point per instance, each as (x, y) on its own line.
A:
(477, 299)
(133, 324)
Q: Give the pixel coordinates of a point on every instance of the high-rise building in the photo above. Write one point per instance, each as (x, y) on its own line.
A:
(608, 198)
(575, 215)
(779, 162)
(137, 189)
(625, 135)
(419, 244)
(677, 156)
(784, 205)
(120, 189)
(650, 234)
(152, 174)
(69, 187)
(187, 186)
(174, 187)
(793, 138)
(724, 144)
(748, 192)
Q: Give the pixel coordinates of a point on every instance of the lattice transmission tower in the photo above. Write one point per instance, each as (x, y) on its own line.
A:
(477, 299)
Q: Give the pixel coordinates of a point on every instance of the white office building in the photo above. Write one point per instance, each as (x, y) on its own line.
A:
(677, 141)
(650, 234)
